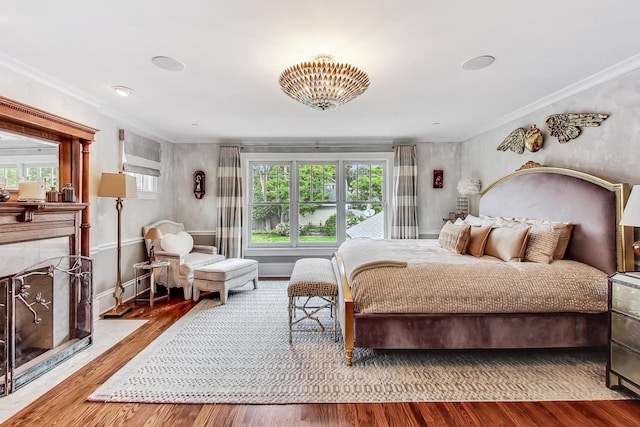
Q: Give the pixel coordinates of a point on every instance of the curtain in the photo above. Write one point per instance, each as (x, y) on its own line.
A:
(229, 201)
(139, 154)
(405, 173)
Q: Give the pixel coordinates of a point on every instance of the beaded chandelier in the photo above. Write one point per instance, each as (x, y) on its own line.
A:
(323, 84)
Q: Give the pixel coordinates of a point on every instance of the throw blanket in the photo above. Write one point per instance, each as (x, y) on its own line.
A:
(438, 281)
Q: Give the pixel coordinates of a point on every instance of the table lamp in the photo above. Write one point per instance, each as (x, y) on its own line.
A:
(631, 214)
(153, 234)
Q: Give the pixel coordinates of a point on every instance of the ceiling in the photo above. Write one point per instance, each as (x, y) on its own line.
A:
(234, 52)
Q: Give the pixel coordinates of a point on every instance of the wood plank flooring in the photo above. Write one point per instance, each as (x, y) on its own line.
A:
(65, 405)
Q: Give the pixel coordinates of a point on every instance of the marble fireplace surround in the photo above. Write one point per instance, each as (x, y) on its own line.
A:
(31, 233)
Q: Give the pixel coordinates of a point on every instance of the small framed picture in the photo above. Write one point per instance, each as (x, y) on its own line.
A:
(438, 178)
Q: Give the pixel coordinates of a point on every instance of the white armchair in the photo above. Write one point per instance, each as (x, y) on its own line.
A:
(176, 246)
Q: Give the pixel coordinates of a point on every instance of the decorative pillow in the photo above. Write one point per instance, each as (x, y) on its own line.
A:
(508, 244)
(478, 240)
(454, 238)
(543, 240)
(180, 243)
(563, 241)
(565, 234)
(473, 221)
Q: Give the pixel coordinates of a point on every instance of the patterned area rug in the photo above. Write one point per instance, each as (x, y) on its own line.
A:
(239, 353)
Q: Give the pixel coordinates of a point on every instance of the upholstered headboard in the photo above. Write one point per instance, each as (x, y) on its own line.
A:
(593, 204)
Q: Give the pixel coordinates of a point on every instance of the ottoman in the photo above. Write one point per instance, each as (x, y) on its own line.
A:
(224, 275)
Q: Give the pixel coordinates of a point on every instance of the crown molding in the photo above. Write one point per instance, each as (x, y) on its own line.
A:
(47, 80)
(616, 70)
(60, 86)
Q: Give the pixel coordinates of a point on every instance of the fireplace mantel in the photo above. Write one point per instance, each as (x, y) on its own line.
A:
(24, 222)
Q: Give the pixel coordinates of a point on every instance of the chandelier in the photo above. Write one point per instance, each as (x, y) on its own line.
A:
(323, 84)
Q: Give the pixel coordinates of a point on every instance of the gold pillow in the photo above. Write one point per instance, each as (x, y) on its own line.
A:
(508, 244)
(565, 229)
(478, 240)
(454, 238)
(543, 240)
(563, 241)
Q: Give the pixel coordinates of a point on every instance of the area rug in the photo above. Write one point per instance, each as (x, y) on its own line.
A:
(239, 353)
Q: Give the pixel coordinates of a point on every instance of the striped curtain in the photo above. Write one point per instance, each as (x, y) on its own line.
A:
(405, 173)
(229, 201)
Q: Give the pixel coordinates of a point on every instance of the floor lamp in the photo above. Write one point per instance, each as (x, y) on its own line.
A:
(120, 186)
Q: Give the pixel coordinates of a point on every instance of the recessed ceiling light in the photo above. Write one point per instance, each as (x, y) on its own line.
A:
(122, 90)
(478, 62)
(167, 63)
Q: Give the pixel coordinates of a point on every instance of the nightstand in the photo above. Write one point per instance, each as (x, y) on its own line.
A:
(623, 365)
(151, 266)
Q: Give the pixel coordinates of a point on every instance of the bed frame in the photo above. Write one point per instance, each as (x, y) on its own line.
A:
(595, 207)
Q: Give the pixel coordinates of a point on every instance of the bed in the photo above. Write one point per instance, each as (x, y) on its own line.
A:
(538, 316)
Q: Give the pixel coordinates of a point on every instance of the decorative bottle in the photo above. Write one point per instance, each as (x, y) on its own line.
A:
(68, 193)
(52, 195)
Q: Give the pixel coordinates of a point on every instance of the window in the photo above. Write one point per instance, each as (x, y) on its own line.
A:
(141, 158)
(322, 202)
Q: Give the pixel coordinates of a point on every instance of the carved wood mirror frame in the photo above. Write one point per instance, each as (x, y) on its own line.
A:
(73, 155)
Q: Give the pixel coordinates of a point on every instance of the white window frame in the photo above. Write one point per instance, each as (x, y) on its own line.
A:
(311, 248)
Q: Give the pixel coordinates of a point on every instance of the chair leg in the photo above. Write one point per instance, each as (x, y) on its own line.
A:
(290, 317)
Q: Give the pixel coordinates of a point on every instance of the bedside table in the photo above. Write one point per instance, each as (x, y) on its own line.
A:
(623, 364)
(151, 266)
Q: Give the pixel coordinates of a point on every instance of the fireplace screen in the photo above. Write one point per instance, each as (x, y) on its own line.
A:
(46, 317)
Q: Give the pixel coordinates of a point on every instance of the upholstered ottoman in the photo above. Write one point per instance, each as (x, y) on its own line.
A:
(224, 275)
(313, 280)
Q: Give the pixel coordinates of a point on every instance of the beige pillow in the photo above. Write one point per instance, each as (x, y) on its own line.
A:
(508, 244)
(542, 243)
(478, 240)
(454, 238)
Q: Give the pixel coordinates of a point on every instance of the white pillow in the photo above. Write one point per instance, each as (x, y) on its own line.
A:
(180, 243)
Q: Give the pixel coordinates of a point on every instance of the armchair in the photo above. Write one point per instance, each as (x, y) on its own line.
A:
(176, 246)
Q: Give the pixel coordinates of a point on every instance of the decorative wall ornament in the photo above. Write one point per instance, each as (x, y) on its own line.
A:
(520, 139)
(530, 164)
(566, 126)
(198, 184)
(438, 178)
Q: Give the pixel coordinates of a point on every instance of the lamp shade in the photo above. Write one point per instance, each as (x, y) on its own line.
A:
(153, 234)
(631, 215)
(469, 186)
(118, 185)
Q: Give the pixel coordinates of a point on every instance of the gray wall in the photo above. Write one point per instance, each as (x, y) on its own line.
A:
(104, 157)
(610, 151)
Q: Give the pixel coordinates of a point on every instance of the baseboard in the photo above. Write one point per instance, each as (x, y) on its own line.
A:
(275, 269)
(104, 301)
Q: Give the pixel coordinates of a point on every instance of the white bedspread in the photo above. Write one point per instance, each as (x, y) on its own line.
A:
(439, 281)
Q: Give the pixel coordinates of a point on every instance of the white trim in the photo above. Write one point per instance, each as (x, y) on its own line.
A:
(104, 301)
(202, 232)
(275, 269)
(47, 80)
(114, 245)
(65, 88)
(600, 77)
(339, 157)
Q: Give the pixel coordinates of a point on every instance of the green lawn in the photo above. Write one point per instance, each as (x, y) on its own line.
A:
(275, 238)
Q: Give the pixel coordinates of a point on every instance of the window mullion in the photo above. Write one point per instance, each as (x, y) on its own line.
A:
(294, 203)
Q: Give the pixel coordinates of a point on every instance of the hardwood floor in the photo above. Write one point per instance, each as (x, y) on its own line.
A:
(65, 405)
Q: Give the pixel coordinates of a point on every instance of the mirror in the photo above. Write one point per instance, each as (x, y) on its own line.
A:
(72, 140)
(25, 158)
